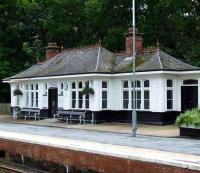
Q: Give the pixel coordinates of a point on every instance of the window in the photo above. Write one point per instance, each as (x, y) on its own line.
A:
(146, 99)
(125, 85)
(32, 99)
(31, 95)
(125, 94)
(87, 96)
(190, 82)
(87, 101)
(36, 99)
(125, 99)
(146, 83)
(142, 95)
(79, 100)
(138, 100)
(104, 95)
(61, 88)
(73, 99)
(169, 94)
(80, 96)
(27, 95)
(80, 85)
(46, 86)
(73, 85)
(74, 95)
(146, 95)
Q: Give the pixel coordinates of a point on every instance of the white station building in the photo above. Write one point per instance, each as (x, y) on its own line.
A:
(165, 86)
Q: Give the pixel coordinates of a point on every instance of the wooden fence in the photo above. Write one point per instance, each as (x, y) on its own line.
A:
(5, 108)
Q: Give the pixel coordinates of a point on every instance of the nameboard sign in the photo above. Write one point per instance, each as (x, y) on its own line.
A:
(53, 85)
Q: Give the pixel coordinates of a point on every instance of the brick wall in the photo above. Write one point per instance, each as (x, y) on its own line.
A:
(97, 162)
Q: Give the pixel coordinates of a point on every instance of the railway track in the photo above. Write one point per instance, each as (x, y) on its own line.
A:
(10, 167)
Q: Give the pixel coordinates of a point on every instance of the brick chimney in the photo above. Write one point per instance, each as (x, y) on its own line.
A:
(51, 50)
(129, 41)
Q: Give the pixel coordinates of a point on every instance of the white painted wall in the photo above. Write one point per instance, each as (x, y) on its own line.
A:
(13, 98)
(158, 91)
(115, 94)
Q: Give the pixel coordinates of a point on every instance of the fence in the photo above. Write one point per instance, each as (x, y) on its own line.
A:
(5, 108)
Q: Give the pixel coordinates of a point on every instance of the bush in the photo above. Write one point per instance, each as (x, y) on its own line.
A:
(190, 117)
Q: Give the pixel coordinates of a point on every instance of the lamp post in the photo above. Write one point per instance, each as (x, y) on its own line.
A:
(134, 114)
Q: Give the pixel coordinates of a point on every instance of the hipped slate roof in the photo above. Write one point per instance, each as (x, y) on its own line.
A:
(100, 60)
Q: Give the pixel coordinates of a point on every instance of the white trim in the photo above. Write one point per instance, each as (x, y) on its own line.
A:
(103, 75)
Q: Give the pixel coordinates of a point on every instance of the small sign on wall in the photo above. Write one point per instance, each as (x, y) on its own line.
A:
(54, 85)
(65, 86)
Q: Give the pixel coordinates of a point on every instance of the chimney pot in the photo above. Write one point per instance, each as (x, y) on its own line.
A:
(52, 50)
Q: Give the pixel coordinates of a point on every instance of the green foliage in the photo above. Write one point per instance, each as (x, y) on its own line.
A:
(17, 92)
(27, 25)
(87, 90)
(190, 117)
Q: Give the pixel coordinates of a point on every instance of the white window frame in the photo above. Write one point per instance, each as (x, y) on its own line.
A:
(173, 90)
(77, 90)
(31, 92)
(107, 99)
(61, 89)
(130, 89)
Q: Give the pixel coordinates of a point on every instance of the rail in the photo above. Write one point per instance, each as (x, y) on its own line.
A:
(10, 167)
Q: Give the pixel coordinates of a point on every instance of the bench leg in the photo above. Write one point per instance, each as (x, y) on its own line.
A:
(67, 121)
(92, 122)
(80, 120)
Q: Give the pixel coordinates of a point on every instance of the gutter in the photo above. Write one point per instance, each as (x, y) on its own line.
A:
(104, 75)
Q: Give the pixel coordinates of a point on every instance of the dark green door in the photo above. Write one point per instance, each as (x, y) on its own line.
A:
(53, 101)
(189, 97)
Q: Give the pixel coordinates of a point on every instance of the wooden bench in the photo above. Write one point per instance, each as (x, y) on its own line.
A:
(29, 113)
(88, 118)
(71, 115)
(63, 115)
(77, 116)
(33, 114)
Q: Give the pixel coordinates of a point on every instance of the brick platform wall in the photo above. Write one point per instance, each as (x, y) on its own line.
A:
(97, 162)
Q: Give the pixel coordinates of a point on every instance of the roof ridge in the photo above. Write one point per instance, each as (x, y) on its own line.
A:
(176, 59)
(91, 46)
(98, 57)
(160, 62)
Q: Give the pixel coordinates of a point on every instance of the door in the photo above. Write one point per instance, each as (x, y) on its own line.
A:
(189, 97)
(53, 101)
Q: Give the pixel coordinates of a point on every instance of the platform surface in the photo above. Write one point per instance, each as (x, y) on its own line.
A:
(178, 152)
